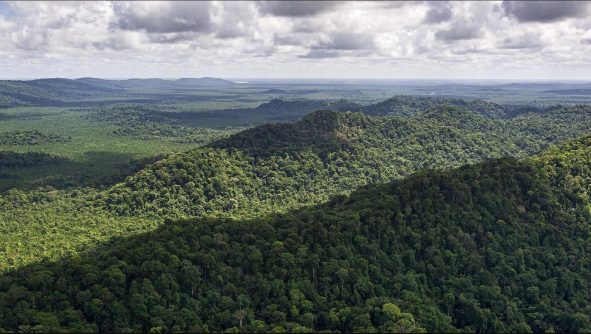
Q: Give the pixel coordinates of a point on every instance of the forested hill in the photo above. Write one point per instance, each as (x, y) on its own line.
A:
(500, 246)
(281, 166)
(46, 92)
(404, 105)
(320, 131)
(19, 93)
(276, 167)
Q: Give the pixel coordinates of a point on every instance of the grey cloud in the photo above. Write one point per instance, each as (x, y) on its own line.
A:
(171, 38)
(459, 31)
(228, 32)
(586, 41)
(473, 51)
(528, 41)
(287, 40)
(545, 11)
(347, 41)
(438, 12)
(313, 54)
(29, 40)
(117, 42)
(167, 17)
(236, 19)
(297, 8)
(117, 46)
(396, 4)
(309, 26)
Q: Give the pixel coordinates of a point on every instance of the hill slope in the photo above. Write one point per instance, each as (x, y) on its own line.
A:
(156, 83)
(494, 247)
(273, 168)
(279, 166)
(404, 105)
(18, 93)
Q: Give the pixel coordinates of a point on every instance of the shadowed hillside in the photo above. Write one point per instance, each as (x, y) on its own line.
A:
(494, 247)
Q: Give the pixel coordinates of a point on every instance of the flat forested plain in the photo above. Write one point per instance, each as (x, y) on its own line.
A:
(207, 205)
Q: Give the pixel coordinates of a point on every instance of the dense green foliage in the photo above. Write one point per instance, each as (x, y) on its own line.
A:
(19, 93)
(30, 159)
(493, 247)
(404, 105)
(276, 110)
(92, 153)
(149, 122)
(280, 166)
(50, 224)
(273, 168)
(31, 137)
(497, 246)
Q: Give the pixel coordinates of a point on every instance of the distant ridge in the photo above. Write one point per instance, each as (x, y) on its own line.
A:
(66, 84)
(157, 83)
(407, 105)
(205, 81)
(274, 91)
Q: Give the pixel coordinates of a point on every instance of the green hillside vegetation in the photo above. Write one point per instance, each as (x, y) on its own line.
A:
(19, 93)
(404, 105)
(198, 204)
(499, 246)
(31, 137)
(280, 166)
(150, 122)
(94, 154)
(273, 111)
(283, 110)
(29, 159)
(68, 87)
(272, 168)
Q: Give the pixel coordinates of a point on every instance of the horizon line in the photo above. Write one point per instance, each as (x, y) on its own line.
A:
(304, 79)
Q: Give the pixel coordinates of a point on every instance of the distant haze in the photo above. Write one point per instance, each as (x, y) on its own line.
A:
(501, 40)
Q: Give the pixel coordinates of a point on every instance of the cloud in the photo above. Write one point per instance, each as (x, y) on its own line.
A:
(297, 8)
(525, 41)
(347, 41)
(395, 4)
(122, 41)
(291, 40)
(30, 40)
(458, 31)
(262, 39)
(5, 25)
(545, 11)
(235, 19)
(315, 54)
(438, 12)
(164, 17)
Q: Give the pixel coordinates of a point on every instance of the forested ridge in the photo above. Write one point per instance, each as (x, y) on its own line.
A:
(341, 221)
(280, 166)
(271, 168)
(404, 105)
(497, 246)
(268, 169)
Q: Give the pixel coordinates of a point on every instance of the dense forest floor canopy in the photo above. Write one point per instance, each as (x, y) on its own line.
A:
(493, 247)
(266, 169)
(170, 205)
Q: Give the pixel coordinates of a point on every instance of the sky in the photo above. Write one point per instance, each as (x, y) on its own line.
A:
(497, 40)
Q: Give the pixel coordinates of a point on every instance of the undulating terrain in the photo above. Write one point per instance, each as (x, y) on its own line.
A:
(209, 205)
